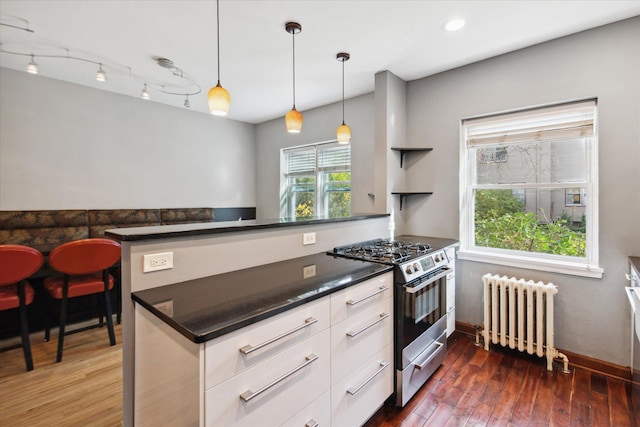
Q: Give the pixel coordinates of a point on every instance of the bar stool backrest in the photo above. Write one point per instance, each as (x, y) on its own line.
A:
(17, 262)
(85, 256)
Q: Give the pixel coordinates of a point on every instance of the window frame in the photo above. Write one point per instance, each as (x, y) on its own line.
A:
(320, 192)
(587, 266)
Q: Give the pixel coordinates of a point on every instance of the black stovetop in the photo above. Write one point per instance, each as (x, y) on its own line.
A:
(383, 250)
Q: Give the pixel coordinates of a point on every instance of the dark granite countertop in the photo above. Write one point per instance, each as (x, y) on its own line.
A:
(183, 230)
(212, 306)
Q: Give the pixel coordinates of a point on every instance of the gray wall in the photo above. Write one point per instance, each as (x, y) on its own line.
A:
(592, 315)
(66, 146)
(319, 125)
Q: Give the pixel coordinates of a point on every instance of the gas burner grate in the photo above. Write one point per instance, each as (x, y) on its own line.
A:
(383, 250)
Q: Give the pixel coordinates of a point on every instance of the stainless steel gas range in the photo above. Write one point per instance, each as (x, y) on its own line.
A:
(420, 307)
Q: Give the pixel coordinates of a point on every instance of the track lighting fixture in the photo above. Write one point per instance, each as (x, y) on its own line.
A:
(343, 133)
(293, 119)
(189, 88)
(32, 67)
(218, 97)
(101, 75)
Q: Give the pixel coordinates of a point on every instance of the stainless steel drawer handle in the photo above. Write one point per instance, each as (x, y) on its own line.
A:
(248, 395)
(353, 390)
(438, 346)
(311, 423)
(358, 301)
(250, 349)
(361, 330)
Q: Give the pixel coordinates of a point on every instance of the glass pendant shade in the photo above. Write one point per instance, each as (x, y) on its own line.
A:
(343, 134)
(293, 120)
(219, 100)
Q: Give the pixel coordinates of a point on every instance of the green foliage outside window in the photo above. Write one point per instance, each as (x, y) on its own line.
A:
(340, 194)
(500, 222)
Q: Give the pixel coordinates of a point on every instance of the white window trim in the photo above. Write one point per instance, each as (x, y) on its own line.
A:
(319, 203)
(585, 267)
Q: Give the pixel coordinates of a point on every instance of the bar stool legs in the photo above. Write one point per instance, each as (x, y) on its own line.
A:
(24, 328)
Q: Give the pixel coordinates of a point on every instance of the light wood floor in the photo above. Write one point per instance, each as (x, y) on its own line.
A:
(85, 389)
(471, 388)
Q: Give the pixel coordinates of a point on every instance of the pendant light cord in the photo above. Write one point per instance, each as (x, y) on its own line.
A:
(343, 92)
(293, 35)
(218, 37)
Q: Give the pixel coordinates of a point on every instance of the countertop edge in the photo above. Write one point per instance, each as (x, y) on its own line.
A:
(185, 230)
(200, 339)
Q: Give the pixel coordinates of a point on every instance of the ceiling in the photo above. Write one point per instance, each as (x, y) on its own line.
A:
(404, 37)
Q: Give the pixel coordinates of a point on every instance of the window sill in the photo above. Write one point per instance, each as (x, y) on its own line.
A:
(532, 263)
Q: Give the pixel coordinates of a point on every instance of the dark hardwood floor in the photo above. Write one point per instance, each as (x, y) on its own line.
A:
(506, 388)
(472, 388)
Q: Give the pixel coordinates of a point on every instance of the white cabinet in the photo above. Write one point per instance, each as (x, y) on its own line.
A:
(361, 350)
(327, 362)
(269, 393)
(315, 414)
(451, 290)
(235, 352)
(357, 396)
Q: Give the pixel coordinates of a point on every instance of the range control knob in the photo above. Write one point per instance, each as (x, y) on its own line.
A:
(415, 267)
(437, 258)
(409, 270)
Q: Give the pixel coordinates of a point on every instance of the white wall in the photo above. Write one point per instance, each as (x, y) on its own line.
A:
(319, 125)
(592, 316)
(66, 146)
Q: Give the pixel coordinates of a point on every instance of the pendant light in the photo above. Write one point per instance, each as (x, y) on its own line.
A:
(343, 133)
(145, 93)
(218, 97)
(293, 119)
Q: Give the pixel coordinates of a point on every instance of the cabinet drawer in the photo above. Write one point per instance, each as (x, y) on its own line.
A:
(304, 369)
(318, 413)
(223, 355)
(354, 340)
(358, 298)
(353, 399)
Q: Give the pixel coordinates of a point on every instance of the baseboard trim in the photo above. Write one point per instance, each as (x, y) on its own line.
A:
(575, 359)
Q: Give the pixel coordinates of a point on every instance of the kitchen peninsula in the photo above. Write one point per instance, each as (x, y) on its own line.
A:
(206, 249)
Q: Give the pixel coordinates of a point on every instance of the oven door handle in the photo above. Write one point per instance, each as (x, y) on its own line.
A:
(413, 290)
(438, 347)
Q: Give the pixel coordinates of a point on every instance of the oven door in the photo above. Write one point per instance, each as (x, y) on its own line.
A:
(421, 304)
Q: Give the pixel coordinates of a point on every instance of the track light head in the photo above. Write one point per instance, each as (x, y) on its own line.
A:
(32, 67)
(101, 75)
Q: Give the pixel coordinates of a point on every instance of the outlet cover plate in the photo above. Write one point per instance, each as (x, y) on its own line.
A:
(159, 261)
(308, 239)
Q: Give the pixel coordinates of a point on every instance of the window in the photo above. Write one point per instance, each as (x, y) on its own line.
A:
(316, 181)
(528, 189)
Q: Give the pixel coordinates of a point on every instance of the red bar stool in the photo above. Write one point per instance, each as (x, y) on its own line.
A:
(85, 265)
(18, 262)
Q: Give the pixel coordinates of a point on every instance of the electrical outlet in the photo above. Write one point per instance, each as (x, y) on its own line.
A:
(309, 238)
(155, 262)
(308, 271)
(165, 307)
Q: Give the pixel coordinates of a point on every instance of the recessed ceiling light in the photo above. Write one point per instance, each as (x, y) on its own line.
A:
(454, 24)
